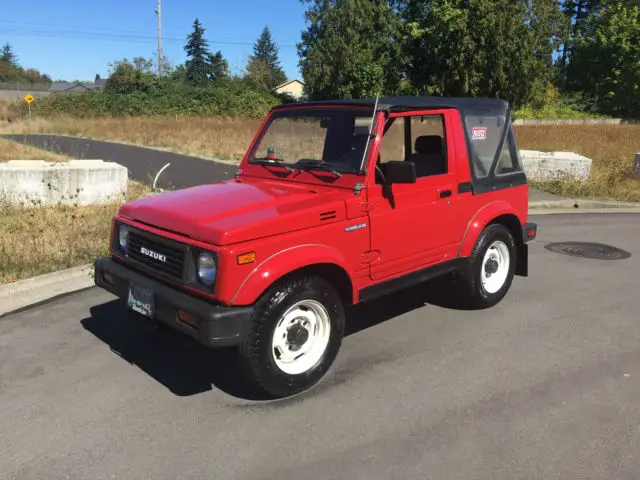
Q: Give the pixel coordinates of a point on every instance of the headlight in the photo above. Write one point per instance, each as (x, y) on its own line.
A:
(123, 234)
(206, 268)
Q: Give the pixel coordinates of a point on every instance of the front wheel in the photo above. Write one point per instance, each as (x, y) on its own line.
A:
(294, 336)
(491, 267)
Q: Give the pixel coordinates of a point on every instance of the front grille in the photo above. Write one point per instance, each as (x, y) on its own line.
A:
(172, 254)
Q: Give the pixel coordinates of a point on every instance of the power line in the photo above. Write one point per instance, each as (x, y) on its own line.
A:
(12, 23)
(114, 35)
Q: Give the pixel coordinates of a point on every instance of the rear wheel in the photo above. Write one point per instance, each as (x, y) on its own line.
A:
(491, 267)
(294, 336)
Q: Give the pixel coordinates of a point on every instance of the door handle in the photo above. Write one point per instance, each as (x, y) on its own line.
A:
(445, 193)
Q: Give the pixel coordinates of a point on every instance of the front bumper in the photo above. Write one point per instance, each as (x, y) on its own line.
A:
(211, 325)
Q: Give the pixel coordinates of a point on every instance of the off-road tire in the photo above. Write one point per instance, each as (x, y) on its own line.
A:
(474, 294)
(255, 353)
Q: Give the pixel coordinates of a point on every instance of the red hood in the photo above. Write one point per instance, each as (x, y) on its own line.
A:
(239, 210)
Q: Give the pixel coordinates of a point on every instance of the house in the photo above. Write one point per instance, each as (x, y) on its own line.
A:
(294, 88)
(99, 84)
(76, 87)
(60, 86)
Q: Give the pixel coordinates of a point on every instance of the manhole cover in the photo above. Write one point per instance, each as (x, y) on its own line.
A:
(598, 251)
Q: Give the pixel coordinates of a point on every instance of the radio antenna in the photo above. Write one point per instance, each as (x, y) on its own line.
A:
(373, 119)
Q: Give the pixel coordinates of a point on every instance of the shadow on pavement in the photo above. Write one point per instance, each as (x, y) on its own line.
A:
(187, 368)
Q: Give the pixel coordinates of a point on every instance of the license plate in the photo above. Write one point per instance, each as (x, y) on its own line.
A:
(141, 300)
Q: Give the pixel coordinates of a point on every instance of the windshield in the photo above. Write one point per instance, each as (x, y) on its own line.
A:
(333, 138)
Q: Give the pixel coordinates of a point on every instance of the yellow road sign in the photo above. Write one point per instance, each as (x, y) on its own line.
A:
(28, 98)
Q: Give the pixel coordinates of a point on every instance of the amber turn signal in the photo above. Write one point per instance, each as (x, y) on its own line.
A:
(187, 318)
(246, 258)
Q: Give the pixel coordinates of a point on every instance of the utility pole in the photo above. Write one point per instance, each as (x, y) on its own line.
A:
(159, 13)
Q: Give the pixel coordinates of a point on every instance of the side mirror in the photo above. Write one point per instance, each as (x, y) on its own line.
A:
(397, 171)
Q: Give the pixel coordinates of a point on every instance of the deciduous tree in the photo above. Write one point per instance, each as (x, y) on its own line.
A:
(500, 48)
(607, 55)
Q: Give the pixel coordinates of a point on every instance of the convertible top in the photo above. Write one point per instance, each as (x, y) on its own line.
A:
(473, 105)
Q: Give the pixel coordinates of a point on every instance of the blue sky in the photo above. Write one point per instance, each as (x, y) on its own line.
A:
(74, 39)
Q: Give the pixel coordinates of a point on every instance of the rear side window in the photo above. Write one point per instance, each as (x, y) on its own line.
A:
(484, 136)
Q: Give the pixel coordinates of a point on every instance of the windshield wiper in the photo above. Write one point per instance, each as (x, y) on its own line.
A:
(313, 164)
(274, 161)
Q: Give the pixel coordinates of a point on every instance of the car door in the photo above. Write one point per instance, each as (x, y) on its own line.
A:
(409, 228)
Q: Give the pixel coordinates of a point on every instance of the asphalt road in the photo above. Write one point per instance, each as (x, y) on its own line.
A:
(544, 386)
(143, 163)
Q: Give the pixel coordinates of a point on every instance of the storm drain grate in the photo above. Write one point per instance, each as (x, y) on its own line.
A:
(596, 251)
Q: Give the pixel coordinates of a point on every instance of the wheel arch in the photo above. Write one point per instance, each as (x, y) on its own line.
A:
(499, 213)
(328, 264)
(331, 272)
(496, 212)
(512, 222)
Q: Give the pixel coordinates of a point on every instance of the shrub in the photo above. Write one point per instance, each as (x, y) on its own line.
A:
(165, 97)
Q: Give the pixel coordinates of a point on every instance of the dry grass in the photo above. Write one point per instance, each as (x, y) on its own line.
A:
(17, 151)
(611, 147)
(225, 139)
(35, 241)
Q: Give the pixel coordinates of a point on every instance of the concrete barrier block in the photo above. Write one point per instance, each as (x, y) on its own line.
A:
(555, 165)
(77, 182)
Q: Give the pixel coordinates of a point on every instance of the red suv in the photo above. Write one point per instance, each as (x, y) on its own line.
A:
(334, 203)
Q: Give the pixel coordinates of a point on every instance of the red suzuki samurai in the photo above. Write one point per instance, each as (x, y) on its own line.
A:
(334, 203)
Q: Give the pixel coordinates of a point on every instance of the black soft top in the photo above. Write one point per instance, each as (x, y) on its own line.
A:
(472, 105)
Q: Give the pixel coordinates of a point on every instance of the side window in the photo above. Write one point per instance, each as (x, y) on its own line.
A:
(429, 152)
(419, 139)
(508, 161)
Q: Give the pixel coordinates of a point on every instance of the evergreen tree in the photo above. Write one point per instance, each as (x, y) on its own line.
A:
(218, 66)
(351, 49)
(264, 65)
(198, 55)
(9, 56)
(577, 13)
(202, 66)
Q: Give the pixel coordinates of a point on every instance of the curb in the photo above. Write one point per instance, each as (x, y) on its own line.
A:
(582, 204)
(583, 211)
(567, 206)
(27, 293)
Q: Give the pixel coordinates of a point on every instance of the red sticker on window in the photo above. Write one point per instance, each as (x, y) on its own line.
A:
(479, 133)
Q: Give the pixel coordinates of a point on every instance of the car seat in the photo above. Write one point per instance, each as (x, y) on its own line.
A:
(429, 157)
